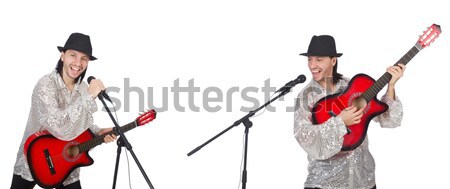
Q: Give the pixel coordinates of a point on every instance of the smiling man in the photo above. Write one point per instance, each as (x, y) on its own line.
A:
(62, 104)
(329, 167)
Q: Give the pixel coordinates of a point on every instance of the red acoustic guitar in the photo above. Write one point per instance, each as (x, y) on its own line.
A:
(361, 92)
(52, 160)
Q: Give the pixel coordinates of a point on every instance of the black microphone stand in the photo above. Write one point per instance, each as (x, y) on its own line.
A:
(123, 142)
(248, 124)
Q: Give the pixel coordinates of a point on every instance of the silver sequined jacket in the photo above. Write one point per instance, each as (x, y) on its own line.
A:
(329, 167)
(63, 113)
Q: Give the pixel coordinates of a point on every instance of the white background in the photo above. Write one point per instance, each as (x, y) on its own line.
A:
(230, 44)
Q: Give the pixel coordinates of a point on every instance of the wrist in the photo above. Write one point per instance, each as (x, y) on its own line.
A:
(391, 92)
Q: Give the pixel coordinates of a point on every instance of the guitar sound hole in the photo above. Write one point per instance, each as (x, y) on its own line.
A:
(359, 102)
(72, 151)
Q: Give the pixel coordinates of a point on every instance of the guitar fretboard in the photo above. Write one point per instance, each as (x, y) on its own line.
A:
(99, 139)
(386, 77)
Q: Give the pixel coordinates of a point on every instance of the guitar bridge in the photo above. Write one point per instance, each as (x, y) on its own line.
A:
(49, 162)
(331, 113)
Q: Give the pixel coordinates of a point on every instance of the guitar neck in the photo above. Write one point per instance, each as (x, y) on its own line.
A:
(386, 77)
(85, 146)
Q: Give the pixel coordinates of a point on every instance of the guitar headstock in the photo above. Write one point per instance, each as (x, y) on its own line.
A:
(428, 36)
(146, 117)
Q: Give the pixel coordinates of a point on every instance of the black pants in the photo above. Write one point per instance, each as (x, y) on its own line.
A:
(375, 187)
(19, 183)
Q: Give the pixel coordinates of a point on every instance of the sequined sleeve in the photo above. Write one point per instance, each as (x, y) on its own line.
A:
(393, 116)
(320, 141)
(95, 129)
(66, 122)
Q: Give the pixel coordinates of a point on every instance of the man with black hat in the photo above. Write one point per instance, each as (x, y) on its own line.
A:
(329, 167)
(62, 104)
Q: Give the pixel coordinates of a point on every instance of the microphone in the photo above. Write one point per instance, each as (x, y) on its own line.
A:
(102, 93)
(300, 79)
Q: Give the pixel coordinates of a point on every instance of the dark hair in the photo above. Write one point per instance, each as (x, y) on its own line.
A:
(59, 68)
(336, 76)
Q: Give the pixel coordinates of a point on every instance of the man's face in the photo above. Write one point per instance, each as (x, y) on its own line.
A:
(321, 67)
(75, 62)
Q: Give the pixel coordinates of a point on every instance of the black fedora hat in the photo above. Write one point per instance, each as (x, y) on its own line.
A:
(322, 45)
(79, 42)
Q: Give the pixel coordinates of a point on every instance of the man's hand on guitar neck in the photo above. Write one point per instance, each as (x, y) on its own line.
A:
(108, 138)
(397, 73)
